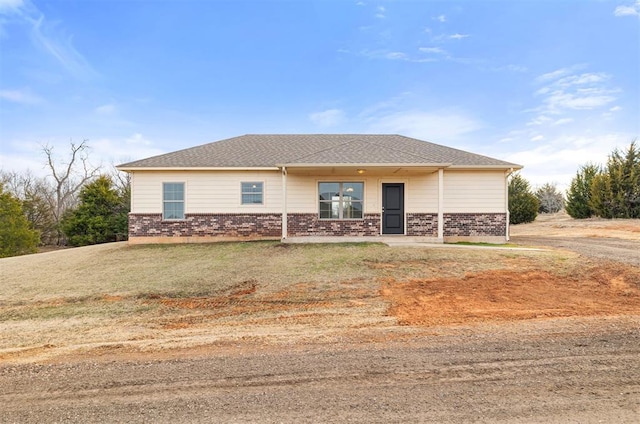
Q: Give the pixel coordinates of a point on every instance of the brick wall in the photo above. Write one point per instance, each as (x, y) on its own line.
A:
(302, 224)
(475, 224)
(422, 224)
(308, 224)
(206, 225)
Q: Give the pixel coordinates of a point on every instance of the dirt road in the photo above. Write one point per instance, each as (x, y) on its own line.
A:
(583, 371)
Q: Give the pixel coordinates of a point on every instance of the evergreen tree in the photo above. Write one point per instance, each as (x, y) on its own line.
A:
(578, 203)
(100, 217)
(16, 235)
(523, 204)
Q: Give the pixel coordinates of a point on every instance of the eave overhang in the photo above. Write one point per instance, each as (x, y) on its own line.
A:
(197, 168)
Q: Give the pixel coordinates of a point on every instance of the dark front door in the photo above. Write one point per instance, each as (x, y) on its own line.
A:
(393, 208)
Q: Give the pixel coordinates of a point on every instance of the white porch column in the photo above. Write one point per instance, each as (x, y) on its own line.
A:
(441, 204)
(506, 201)
(284, 203)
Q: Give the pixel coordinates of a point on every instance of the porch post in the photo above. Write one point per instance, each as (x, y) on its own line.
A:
(284, 203)
(441, 204)
(506, 202)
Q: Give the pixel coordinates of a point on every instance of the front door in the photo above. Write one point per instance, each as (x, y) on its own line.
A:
(393, 208)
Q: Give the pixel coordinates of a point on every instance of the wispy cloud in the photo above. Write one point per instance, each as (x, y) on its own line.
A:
(49, 37)
(380, 12)
(24, 96)
(564, 91)
(433, 50)
(628, 10)
(395, 55)
(458, 36)
(440, 18)
(10, 6)
(328, 118)
(437, 126)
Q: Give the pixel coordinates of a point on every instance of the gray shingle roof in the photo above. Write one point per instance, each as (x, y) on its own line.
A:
(271, 150)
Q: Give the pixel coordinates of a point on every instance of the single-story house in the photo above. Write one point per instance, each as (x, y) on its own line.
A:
(311, 187)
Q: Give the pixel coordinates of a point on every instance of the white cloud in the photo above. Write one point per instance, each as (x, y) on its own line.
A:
(440, 18)
(10, 6)
(457, 36)
(137, 138)
(360, 3)
(48, 36)
(563, 121)
(436, 126)
(615, 109)
(24, 96)
(328, 118)
(119, 150)
(554, 75)
(558, 159)
(564, 91)
(435, 50)
(628, 10)
(537, 138)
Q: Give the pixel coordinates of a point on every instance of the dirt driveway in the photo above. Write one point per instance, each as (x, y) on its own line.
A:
(578, 371)
(616, 240)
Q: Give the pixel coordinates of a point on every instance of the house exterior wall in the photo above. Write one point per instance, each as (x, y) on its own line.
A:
(474, 192)
(206, 191)
(473, 207)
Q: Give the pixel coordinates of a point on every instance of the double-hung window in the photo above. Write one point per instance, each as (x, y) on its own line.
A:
(252, 193)
(341, 200)
(172, 200)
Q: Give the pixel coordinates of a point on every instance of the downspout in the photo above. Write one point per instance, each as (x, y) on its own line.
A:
(506, 200)
(441, 204)
(284, 203)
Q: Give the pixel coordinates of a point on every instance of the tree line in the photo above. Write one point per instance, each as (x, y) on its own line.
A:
(608, 191)
(75, 204)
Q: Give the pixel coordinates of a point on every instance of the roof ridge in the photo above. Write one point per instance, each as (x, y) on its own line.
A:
(324, 150)
(401, 150)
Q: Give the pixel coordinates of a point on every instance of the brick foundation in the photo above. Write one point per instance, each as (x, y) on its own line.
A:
(207, 225)
(475, 224)
(422, 224)
(308, 224)
(257, 226)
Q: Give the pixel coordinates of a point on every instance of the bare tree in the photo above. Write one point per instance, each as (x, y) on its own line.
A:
(68, 178)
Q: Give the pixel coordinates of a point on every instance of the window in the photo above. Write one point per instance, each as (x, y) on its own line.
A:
(172, 200)
(252, 193)
(341, 200)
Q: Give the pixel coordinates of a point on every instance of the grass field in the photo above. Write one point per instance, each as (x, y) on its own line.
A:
(116, 296)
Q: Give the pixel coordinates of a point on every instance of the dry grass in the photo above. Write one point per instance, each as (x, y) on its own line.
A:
(562, 225)
(138, 298)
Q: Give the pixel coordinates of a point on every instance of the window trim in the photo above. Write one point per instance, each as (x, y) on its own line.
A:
(340, 200)
(183, 201)
(262, 193)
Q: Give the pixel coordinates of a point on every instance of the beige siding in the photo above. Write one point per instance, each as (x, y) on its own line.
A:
(219, 191)
(474, 191)
(207, 192)
(421, 192)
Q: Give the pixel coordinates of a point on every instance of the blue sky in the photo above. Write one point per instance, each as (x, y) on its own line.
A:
(549, 84)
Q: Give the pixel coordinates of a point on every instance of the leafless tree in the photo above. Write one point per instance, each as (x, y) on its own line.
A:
(68, 178)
